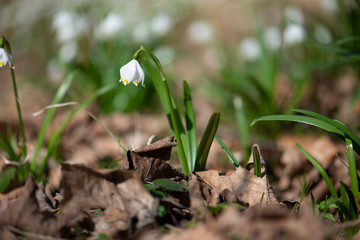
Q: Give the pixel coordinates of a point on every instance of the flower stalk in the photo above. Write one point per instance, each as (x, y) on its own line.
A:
(174, 120)
(6, 44)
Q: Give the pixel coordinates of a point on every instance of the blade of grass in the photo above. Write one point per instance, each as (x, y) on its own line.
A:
(301, 119)
(257, 162)
(243, 128)
(352, 167)
(5, 177)
(54, 140)
(6, 146)
(190, 127)
(337, 124)
(58, 97)
(227, 151)
(321, 171)
(206, 141)
(352, 207)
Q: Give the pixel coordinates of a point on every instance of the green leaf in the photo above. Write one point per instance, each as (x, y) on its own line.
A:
(49, 115)
(206, 141)
(172, 114)
(161, 211)
(352, 206)
(257, 162)
(328, 216)
(101, 236)
(301, 119)
(54, 140)
(168, 185)
(190, 127)
(5, 145)
(336, 124)
(321, 171)
(5, 178)
(228, 152)
(243, 127)
(352, 167)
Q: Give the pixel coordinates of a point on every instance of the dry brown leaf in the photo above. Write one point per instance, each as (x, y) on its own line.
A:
(150, 162)
(24, 213)
(242, 184)
(126, 203)
(269, 222)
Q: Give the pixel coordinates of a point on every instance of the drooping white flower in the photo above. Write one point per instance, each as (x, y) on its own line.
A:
(132, 72)
(6, 58)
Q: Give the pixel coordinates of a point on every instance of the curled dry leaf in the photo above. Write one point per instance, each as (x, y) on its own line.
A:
(24, 213)
(150, 162)
(126, 204)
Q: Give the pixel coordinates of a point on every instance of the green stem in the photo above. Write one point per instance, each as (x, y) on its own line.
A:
(175, 123)
(22, 131)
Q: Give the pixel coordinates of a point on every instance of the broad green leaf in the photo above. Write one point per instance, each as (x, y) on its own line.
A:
(206, 141)
(49, 115)
(5, 177)
(190, 127)
(320, 169)
(228, 152)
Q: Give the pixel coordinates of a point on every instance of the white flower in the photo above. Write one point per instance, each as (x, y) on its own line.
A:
(200, 31)
(272, 37)
(110, 26)
(249, 49)
(132, 72)
(68, 51)
(294, 34)
(161, 24)
(6, 58)
(69, 25)
(294, 15)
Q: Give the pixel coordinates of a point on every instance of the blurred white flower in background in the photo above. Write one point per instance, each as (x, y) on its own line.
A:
(55, 71)
(294, 34)
(294, 15)
(200, 31)
(68, 51)
(161, 24)
(272, 38)
(141, 33)
(69, 25)
(329, 5)
(249, 48)
(165, 54)
(322, 34)
(109, 26)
